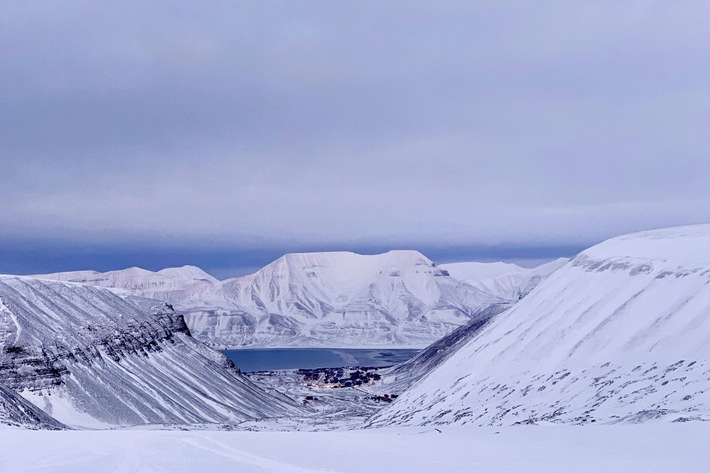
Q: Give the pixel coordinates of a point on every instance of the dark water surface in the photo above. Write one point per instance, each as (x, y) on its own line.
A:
(291, 358)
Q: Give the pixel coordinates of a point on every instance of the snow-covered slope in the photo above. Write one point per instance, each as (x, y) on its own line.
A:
(18, 412)
(504, 280)
(170, 284)
(400, 377)
(509, 288)
(476, 271)
(620, 333)
(88, 357)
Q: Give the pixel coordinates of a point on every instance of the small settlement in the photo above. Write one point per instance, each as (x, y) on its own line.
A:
(336, 378)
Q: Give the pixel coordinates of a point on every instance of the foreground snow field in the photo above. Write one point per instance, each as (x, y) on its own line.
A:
(619, 448)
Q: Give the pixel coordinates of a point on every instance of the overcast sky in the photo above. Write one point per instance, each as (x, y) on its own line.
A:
(226, 133)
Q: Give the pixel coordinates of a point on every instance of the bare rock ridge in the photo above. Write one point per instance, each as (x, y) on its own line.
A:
(619, 334)
(88, 357)
(336, 299)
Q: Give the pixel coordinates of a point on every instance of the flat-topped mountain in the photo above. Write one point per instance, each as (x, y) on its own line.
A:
(165, 284)
(399, 298)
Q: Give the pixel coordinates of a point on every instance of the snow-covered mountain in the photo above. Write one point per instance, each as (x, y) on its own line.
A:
(341, 299)
(621, 333)
(504, 280)
(477, 271)
(336, 299)
(89, 357)
(170, 284)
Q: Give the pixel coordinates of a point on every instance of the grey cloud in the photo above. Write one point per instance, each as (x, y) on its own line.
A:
(326, 122)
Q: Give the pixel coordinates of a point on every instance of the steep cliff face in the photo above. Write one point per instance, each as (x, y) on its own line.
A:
(88, 357)
(619, 334)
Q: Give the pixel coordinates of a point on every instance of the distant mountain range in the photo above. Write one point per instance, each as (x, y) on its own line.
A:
(336, 299)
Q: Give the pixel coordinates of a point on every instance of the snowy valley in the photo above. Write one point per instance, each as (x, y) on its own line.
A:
(617, 335)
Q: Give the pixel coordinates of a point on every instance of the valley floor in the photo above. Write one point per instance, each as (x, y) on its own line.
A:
(328, 408)
(529, 449)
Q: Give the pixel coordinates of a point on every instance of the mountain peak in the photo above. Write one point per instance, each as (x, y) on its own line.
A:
(677, 246)
(188, 272)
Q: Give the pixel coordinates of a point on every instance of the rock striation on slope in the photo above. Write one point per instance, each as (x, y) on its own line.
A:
(91, 358)
(620, 334)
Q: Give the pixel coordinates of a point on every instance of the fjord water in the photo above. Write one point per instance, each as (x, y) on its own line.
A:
(291, 358)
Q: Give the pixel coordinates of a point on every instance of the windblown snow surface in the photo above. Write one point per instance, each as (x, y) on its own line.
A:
(336, 299)
(620, 334)
(650, 448)
(90, 358)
